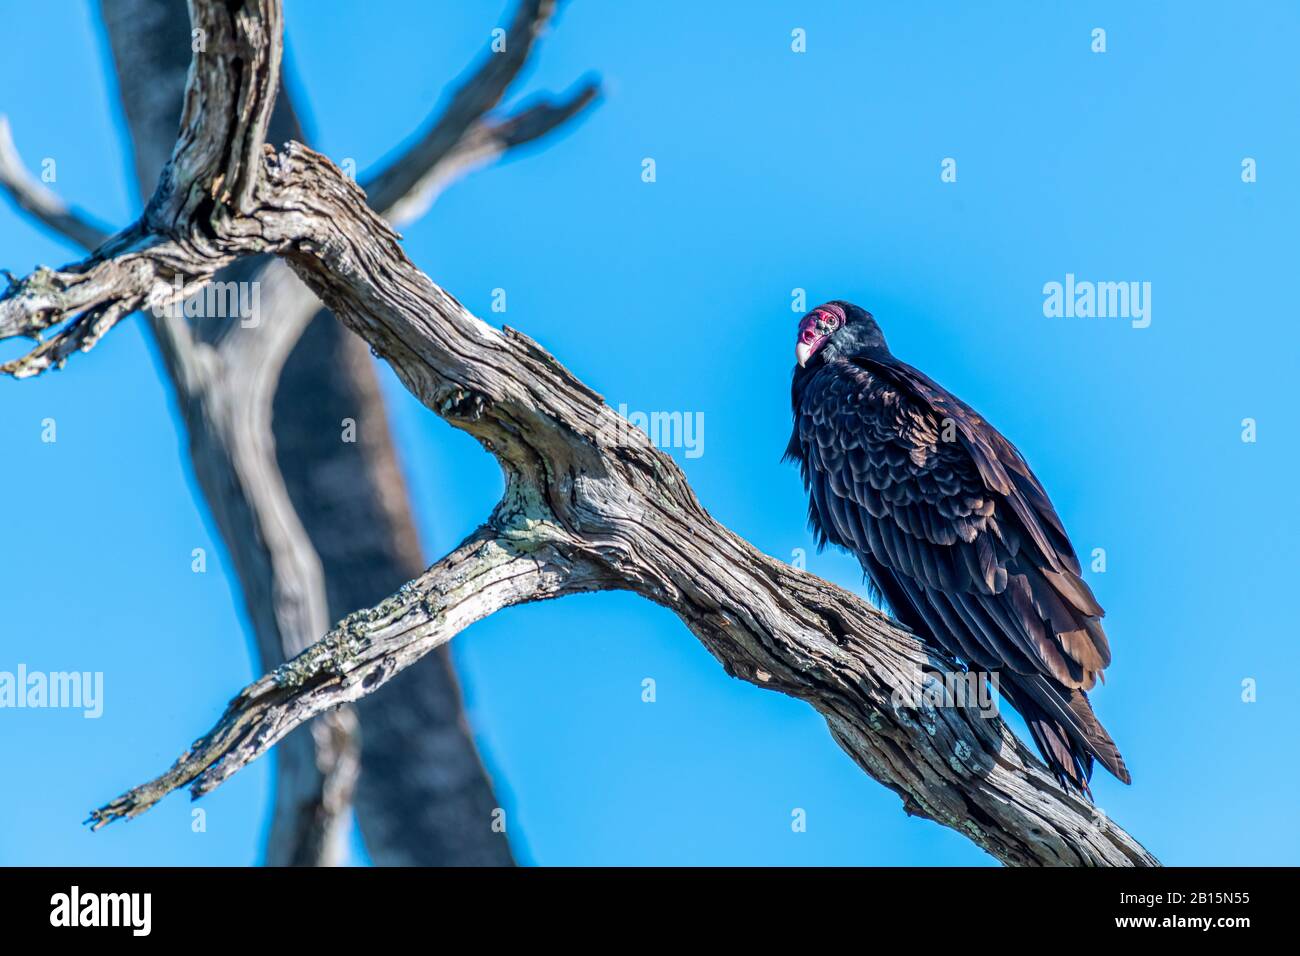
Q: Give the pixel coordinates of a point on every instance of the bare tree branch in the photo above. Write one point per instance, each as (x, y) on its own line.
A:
(224, 375)
(207, 183)
(587, 492)
(424, 797)
(479, 144)
(484, 574)
(39, 202)
(237, 51)
(404, 190)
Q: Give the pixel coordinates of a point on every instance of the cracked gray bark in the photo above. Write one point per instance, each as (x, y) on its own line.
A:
(423, 797)
(589, 504)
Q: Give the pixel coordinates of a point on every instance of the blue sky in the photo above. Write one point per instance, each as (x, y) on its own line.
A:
(775, 171)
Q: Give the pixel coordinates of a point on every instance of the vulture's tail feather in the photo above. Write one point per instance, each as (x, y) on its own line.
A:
(1065, 729)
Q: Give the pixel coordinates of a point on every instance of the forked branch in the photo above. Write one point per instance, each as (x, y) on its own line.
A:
(487, 572)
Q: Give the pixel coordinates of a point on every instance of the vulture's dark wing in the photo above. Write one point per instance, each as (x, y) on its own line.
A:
(960, 538)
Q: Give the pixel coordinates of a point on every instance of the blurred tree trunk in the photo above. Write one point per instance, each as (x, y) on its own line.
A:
(422, 796)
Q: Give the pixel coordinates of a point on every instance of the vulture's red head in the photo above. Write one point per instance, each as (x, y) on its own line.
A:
(836, 328)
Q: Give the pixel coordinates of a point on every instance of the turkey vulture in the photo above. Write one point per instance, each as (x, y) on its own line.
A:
(952, 529)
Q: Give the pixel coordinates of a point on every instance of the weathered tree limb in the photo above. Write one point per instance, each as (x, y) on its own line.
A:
(493, 569)
(489, 571)
(424, 797)
(224, 375)
(588, 493)
(174, 248)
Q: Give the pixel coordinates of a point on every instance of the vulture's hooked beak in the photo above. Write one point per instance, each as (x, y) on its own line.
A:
(816, 326)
